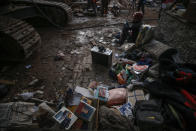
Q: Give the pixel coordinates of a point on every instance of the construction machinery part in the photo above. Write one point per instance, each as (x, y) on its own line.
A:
(57, 13)
(18, 39)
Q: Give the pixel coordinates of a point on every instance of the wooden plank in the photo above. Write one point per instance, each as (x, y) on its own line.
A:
(7, 82)
(97, 115)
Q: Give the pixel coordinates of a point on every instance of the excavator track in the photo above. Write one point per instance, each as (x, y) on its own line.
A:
(57, 12)
(18, 39)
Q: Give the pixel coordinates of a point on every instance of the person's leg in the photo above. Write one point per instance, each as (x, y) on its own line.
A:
(102, 7)
(124, 34)
(89, 4)
(94, 6)
(106, 5)
(139, 6)
(142, 8)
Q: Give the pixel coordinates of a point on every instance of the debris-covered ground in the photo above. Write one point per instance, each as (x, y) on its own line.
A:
(135, 91)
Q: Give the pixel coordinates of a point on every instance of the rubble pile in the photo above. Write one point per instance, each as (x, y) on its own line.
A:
(85, 79)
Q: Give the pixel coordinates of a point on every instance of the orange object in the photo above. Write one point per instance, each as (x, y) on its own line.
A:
(120, 79)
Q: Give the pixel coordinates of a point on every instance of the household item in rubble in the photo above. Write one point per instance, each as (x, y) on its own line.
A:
(145, 35)
(92, 85)
(115, 69)
(135, 95)
(102, 93)
(159, 49)
(126, 110)
(122, 77)
(101, 55)
(148, 116)
(85, 111)
(65, 117)
(138, 69)
(181, 75)
(17, 114)
(117, 96)
(27, 95)
(115, 9)
(83, 91)
(178, 98)
(86, 100)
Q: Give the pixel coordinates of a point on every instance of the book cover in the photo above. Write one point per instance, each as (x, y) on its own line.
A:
(85, 111)
(126, 110)
(86, 100)
(65, 117)
(102, 93)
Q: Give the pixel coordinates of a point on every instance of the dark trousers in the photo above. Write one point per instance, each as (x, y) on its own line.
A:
(125, 33)
(141, 6)
(104, 6)
(130, 32)
(92, 4)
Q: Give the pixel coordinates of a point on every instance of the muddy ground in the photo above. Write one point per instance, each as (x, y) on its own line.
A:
(76, 68)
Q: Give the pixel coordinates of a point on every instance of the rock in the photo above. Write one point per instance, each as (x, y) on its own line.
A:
(110, 119)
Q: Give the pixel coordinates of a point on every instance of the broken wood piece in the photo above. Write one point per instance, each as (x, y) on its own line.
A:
(7, 82)
(97, 115)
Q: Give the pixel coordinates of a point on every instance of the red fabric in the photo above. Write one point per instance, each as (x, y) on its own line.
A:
(189, 97)
(183, 76)
(190, 105)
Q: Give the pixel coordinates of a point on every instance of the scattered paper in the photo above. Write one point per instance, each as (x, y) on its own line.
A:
(83, 91)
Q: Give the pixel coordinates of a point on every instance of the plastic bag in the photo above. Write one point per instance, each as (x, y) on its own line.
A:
(117, 96)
